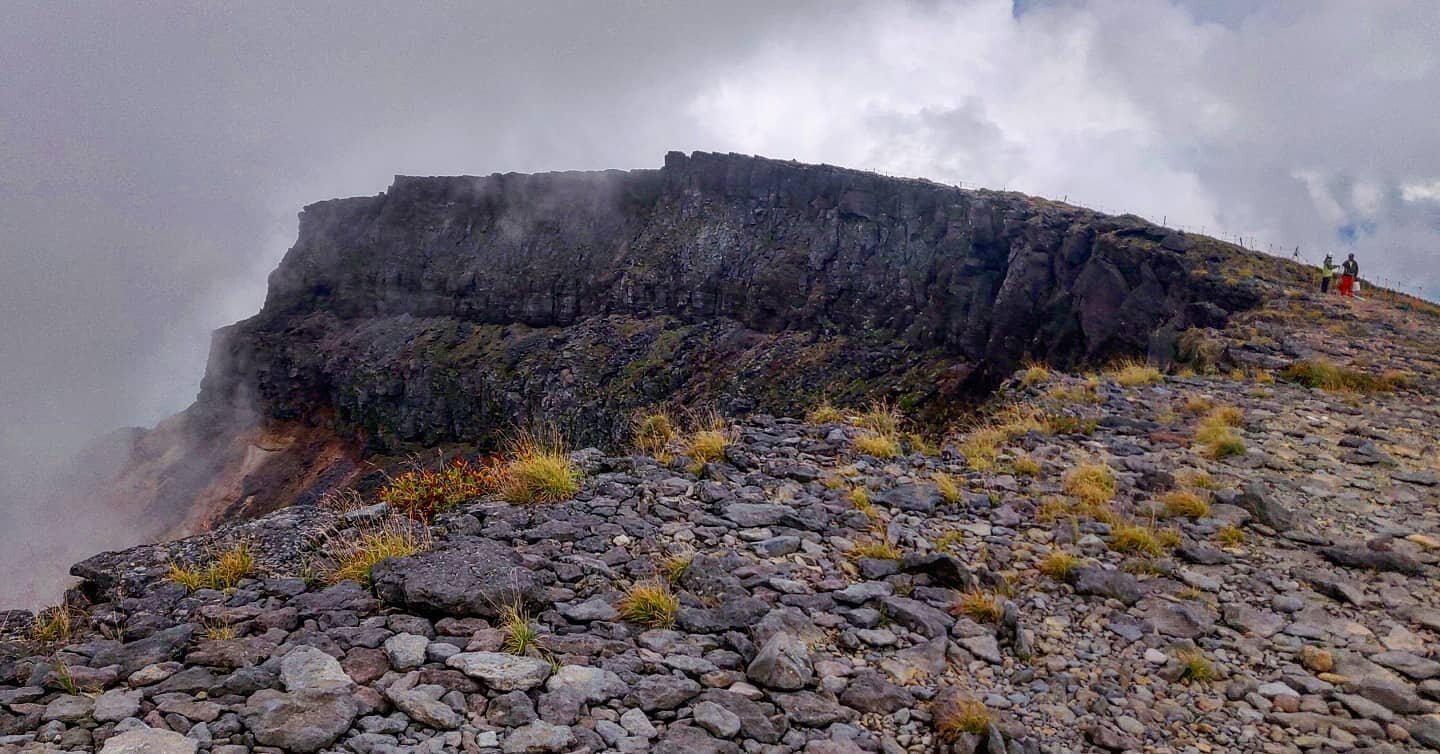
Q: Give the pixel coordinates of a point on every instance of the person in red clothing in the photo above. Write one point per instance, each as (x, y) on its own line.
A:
(1348, 272)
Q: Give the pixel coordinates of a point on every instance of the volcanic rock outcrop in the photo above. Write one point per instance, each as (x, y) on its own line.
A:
(449, 310)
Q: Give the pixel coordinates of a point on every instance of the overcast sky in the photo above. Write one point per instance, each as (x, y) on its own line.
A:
(153, 155)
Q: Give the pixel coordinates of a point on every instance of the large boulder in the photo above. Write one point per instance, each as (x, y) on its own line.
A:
(300, 721)
(468, 576)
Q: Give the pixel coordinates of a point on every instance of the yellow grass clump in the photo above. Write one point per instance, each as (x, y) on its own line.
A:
(825, 413)
(650, 604)
(355, 557)
(1091, 483)
(960, 717)
(880, 446)
(539, 469)
(1185, 504)
(654, 430)
(1135, 374)
(979, 605)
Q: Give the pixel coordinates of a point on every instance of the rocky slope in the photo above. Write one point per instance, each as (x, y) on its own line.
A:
(1286, 603)
(448, 310)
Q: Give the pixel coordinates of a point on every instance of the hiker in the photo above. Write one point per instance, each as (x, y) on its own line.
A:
(1348, 272)
(1327, 273)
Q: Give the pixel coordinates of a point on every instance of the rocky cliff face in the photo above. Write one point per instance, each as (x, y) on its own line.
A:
(448, 310)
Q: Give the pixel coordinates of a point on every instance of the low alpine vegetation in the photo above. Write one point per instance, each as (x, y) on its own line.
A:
(1135, 374)
(1059, 565)
(224, 572)
(1216, 433)
(650, 604)
(961, 716)
(1091, 483)
(1033, 375)
(422, 493)
(979, 605)
(539, 469)
(879, 446)
(1195, 667)
(521, 635)
(1327, 376)
(949, 488)
(824, 413)
(654, 430)
(1185, 504)
(876, 549)
(355, 557)
(54, 625)
(1136, 539)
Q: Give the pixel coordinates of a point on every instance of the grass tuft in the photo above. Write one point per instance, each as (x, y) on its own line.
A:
(1328, 376)
(673, 566)
(539, 469)
(650, 604)
(961, 717)
(653, 431)
(521, 634)
(1135, 539)
(950, 540)
(979, 605)
(1025, 466)
(949, 488)
(882, 418)
(876, 549)
(225, 572)
(1135, 374)
(1185, 504)
(1059, 565)
(355, 557)
(879, 446)
(1034, 374)
(825, 413)
(860, 498)
(1230, 535)
(1092, 483)
(53, 625)
(1195, 666)
(706, 446)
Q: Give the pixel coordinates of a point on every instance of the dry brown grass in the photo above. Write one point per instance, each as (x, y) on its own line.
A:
(653, 431)
(960, 717)
(949, 487)
(1185, 504)
(1059, 565)
(1091, 483)
(1134, 374)
(879, 446)
(979, 605)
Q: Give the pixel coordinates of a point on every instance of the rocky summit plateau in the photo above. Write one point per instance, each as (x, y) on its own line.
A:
(741, 455)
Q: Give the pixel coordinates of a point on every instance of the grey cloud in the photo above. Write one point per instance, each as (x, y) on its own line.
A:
(153, 156)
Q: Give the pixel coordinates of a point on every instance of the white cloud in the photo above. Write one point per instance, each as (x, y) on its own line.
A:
(1289, 123)
(1421, 191)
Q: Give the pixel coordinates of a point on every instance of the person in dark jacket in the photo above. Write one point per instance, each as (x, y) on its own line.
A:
(1348, 272)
